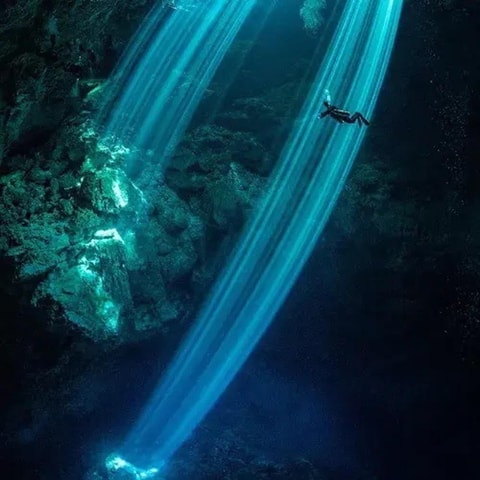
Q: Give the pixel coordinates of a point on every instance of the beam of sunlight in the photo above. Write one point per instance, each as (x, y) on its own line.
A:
(304, 188)
(153, 98)
(262, 14)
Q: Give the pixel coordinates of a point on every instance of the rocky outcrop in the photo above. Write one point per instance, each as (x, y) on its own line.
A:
(86, 240)
(79, 236)
(93, 292)
(312, 15)
(90, 236)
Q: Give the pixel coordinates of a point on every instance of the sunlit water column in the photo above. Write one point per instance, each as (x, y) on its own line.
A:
(305, 186)
(169, 64)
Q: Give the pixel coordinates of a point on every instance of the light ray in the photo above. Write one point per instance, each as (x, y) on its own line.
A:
(154, 98)
(309, 177)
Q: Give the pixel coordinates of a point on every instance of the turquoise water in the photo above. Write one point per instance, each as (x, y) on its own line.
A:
(165, 71)
(276, 243)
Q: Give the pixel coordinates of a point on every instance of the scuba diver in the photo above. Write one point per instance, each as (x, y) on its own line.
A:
(341, 116)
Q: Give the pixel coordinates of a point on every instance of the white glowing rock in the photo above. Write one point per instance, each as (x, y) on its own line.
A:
(110, 233)
(120, 195)
(115, 463)
(150, 473)
(109, 190)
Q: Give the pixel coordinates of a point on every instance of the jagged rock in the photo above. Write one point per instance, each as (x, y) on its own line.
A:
(87, 36)
(186, 183)
(117, 468)
(3, 134)
(300, 469)
(94, 292)
(170, 237)
(110, 191)
(312, 15)
(43, 96)
(92, 92)
(43, 251)
(229, 199)
(102, 152)
(180, 261)
(210, 149)
(68, 149)
(19, 198)
(18, 15)
(49, 52)
(36, 247)
(184, 160)
(152, 306)
(163, 249)
(33, 237)
(369, 187)
(177, 231)
(185, 172)
(252, 114)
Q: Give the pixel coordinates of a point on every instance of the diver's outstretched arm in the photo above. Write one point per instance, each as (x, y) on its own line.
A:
(329, 109)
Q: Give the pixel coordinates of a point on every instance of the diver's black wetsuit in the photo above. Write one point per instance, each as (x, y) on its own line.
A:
(343, 116)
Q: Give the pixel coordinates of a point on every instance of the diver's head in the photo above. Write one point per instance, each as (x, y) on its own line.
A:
(326, 103)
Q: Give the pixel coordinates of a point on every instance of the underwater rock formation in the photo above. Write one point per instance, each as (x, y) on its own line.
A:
(109, 191)
(94, 292)
(91, 233)
(61, 186)
(48, 48)
(311, 13)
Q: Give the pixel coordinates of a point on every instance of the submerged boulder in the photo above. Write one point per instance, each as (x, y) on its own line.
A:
(110, 191)
(33, 237)
(93, 292)
(166, 250)
(229, 199)
(117, 468)
(42, 99)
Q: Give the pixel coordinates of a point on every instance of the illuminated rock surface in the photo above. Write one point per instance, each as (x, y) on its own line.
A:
(94, 293)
